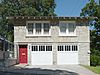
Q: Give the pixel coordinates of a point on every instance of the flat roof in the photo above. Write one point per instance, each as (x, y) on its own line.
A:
(46, 17)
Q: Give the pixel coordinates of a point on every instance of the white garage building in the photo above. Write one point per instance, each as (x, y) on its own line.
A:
(51, 40)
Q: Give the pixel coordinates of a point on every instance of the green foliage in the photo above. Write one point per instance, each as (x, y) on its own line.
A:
(92, 9)
(3, 27)
(94, 69)
(94, 60)
(89, 9)
(23, 8)
(27, 7)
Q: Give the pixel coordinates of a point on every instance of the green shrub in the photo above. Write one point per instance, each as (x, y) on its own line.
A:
(94, 60)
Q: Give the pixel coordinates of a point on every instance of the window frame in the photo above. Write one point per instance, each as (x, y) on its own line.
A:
(32, 24)
(45, 28)
(68, 48)
(67, 25)
(34, 30)
(39, 48)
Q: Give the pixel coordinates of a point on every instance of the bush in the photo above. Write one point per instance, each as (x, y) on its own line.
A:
(94, 60)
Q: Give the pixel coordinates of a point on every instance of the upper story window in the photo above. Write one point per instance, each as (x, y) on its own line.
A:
(46, 28)
(63, 27)
(38, 28)
(67, 28)
(30, 28)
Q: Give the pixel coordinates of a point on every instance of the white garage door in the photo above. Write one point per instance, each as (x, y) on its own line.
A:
(41, 55)
(67, 54)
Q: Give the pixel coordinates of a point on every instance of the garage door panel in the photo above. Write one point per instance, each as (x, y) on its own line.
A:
(41, 57)
(67, 55)
(67, 58)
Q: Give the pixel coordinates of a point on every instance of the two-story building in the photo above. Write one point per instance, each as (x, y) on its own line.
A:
(51, 40)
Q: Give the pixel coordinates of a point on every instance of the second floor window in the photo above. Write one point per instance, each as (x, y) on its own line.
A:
(38, 28)
(46, 28)
(30, 28)
(67, 28)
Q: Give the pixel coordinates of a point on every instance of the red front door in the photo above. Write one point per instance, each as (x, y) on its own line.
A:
(23, 54)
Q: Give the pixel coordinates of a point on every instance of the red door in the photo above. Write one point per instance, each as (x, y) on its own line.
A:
(23, 54)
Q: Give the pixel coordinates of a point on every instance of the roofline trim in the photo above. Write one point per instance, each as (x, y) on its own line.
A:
(45, 17)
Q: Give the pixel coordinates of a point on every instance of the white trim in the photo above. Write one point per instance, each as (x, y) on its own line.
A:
(37, 22)
(42, 31)
(67, 33)
(70, 56)
(29, 53)
(41, 57)
(34, 30)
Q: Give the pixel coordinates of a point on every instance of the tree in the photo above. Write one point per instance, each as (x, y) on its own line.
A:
(23, 8)
(92, 9)
(27, 8)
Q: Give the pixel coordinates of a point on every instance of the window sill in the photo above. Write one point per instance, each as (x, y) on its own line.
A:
(38, 35)
(68, 35)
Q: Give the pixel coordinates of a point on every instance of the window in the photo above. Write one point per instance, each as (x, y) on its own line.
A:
(30, 28)
(34, 48)
(48, 48)
(67, 28)
(67, 48)
(46, 28)
(60, 48)
(37, 28)
(63, 27)
(71, 28)
(74, 48)
(41, 48)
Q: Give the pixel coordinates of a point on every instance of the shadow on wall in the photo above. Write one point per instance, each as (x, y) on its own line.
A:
(38, 71)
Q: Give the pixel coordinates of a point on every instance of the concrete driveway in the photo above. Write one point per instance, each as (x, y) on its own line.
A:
(50, 70)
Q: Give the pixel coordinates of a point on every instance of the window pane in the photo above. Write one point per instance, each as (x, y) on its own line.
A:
(41, 48)
(48, 48)
(60, 48)
(30, 28)
(76, 48)
(63, 28)
(73, 48)
(46, 28)
(34, 48)
(67, 48)
(38, 28)
(71, 27)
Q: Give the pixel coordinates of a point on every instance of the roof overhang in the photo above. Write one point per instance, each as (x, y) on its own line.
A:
(19, 20)
(46, 17)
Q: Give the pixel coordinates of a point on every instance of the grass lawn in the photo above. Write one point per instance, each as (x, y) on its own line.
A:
(94, 69)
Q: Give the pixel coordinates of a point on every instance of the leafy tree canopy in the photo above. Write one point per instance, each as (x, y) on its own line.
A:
(23, 8)
(27, 8)
(92, 9)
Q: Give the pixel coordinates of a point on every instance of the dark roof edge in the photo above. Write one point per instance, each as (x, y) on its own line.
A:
(47, 17)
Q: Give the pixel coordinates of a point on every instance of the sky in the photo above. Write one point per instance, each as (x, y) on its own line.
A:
(69, 7)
